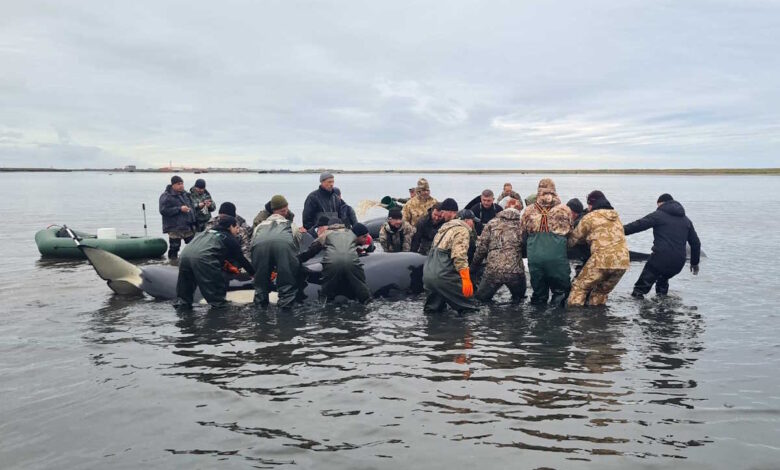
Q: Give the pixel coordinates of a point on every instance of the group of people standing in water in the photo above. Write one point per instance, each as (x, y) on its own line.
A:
(482, 245)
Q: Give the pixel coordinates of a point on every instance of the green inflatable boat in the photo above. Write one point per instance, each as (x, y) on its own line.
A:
(54, 242)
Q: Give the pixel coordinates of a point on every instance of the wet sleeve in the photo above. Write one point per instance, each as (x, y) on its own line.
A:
(313, 250)
(640, 225)
(693, 240)
(234, 252)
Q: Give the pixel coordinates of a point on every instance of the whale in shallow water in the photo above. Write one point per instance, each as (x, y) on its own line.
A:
(387, 275)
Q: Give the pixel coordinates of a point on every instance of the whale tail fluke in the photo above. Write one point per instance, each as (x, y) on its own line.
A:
(122, 277)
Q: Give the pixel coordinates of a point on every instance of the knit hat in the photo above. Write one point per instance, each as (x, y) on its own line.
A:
(395, 214)
(665, 197)
(422, 184)
(325, 175)
(595, 196)
(176, 179)
(323, 221)
(200, 183)
(227, 208)
(278, 202)
(576, 206)
(359, 229)
(546, 186)
(226, 221)
(449, 204)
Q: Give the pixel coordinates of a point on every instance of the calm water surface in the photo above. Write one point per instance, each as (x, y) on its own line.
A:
(92, 380)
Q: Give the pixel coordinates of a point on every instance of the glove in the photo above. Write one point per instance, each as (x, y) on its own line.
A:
(468, 288)
(227, 267)
(273, 276)
(695, 269)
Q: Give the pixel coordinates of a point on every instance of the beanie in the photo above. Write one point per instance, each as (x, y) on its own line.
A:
(395, 214)
(325, 175)
(595, 196)
(200, 183)
(449, 204)
(176, 179)
(278, 202)
(665, 197)
(359, 229)
(576, 206)
(226, 221)
(227, 208)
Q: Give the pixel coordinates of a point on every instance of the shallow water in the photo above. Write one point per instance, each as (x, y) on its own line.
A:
(92, 380)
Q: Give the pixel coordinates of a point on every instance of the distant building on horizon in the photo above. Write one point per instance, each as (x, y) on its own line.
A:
(130, 168)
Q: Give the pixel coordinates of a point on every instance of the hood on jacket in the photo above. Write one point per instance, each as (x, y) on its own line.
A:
(673, 208)
(509, 214)
(601, 203)
(546, 195)
(609, 214)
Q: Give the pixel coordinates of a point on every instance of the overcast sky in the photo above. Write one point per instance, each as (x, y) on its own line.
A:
(391, 84)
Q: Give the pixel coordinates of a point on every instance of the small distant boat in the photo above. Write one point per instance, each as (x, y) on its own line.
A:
(54, 242)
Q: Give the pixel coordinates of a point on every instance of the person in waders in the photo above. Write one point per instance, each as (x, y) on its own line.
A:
(342, 273)
(201, 262)
(446, 276)
(546, 223)
(275, 247)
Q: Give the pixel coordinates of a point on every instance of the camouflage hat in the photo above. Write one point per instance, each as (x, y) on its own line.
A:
(546, 186)
(422, 184)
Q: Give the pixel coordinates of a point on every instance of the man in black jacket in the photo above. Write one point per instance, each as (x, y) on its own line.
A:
(323, 201)
(426, 230)
(485, 210)
(202, 261)
(178, 215)
(671, 231)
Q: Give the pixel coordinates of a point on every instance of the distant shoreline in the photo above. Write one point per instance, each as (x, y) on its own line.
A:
(637, 171)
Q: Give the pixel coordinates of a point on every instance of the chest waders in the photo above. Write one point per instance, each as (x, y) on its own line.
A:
(443, 285)
(548, 264)
(342, 273)
(275, 249)
(201, 266)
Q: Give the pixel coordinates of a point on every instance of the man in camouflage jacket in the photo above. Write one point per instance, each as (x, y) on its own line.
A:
(546, 223)
(418, 206)
(244, 235)
(201, 199)
(602, 229)
(501, 245)
(396, 235)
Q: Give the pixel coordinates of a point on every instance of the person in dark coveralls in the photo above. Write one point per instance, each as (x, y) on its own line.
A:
(446, 276)
(323, 201)
(202, 261)
(275, 248)
(671, 231)
(178, 215)
(342, 273)
(485, 210)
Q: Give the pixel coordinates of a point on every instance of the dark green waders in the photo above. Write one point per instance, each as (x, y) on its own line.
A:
(548, 265)
(342, 273)
(442, 283)
(275, 248)
(200, 267)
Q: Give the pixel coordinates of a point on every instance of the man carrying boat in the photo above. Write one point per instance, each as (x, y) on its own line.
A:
(202, 261)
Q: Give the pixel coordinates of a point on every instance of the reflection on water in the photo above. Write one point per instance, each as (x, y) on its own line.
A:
(583, 383)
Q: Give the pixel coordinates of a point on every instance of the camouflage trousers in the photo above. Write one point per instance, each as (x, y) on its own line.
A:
(489, 285)
(593, 285)
(174, 242)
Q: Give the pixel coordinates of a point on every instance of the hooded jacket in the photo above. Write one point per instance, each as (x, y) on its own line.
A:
(501, 245)
(416, 208)
(396, 240)
(547, 214)
(266, 213)
(602, 229)
(671, 230)
(173, 219)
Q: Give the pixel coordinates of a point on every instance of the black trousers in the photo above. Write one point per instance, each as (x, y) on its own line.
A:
(652, 274)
